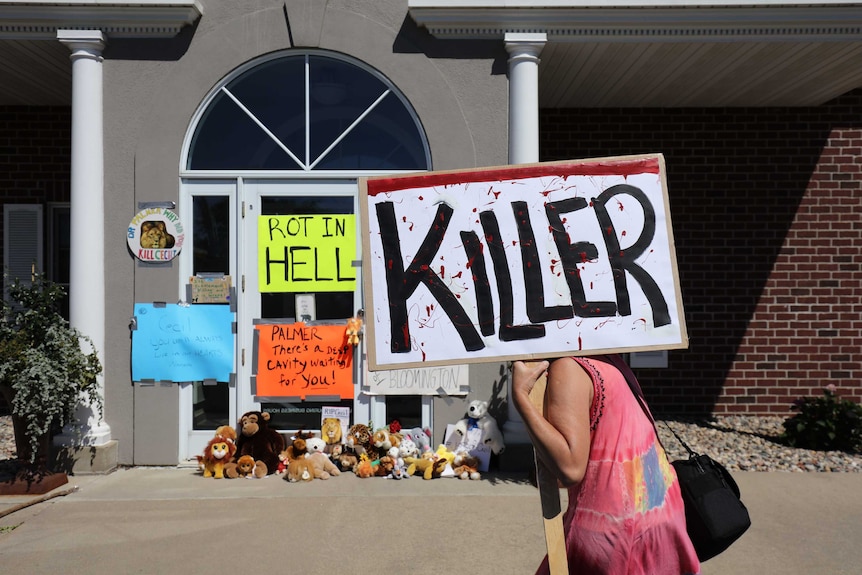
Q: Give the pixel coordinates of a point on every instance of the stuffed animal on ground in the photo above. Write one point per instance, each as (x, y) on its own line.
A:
(299, 470)
(359, 437)
(430, 465)
(384, 440)
(478, 417)
(322, 467)
(246, 467)
(407, 449)
(365, 467)
(421, 437)
(384, 466)
(227, 432)
(344, 457)
(258, 440)
(298, 447)
(466, 466)
(218, 453)
(315, 445)
(443, 452)
(330, 431)
(399, 468)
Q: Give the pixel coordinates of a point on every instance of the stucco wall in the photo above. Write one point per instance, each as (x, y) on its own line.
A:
(153, 89)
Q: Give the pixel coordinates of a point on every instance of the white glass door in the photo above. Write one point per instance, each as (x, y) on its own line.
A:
(297, 266)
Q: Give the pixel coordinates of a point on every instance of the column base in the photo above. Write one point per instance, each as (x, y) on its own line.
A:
(87, 459)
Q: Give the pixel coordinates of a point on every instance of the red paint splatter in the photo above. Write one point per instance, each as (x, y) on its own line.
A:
(458, 275)
(442, 271)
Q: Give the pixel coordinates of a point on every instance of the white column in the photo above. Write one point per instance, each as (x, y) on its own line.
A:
(524, 50)
(87, 256)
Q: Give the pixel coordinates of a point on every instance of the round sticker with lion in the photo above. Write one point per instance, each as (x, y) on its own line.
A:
(155, 235)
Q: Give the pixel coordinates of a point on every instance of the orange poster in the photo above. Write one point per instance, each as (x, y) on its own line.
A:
(299, 360)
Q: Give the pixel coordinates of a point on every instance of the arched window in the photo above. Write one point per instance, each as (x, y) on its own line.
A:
(307, 111)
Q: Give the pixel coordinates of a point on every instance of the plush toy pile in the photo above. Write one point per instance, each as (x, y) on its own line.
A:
(256, 450)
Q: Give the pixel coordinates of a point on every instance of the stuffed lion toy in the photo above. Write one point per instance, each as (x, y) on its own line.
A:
(218, 453)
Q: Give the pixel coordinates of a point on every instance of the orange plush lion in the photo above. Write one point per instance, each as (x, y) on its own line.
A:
(219, 452)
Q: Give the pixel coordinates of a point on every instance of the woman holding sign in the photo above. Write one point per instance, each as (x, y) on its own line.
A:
(625, 514)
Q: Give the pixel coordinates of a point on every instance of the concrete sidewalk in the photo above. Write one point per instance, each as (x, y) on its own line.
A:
(171, 520)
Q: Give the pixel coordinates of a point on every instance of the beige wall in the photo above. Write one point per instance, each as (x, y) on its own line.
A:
(152, 90)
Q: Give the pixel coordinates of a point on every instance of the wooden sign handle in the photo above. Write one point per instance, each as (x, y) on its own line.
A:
(549, 494)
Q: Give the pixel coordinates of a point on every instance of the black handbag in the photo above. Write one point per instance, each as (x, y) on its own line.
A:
(715, 516)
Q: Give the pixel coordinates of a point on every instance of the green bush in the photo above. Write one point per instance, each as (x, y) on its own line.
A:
(826, 423)
(46, 364)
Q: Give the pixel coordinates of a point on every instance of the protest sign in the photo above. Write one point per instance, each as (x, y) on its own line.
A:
(519, 262)
(306, 253)
(173, 342)
(438, 380)
(298, 360)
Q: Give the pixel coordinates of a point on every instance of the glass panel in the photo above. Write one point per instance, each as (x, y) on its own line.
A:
(211, 405)
(227, 139)
(386, 139)
(211, 234)
(59, 257)
(294, 416)
(406, 409)
(275, 93)
(328, 305)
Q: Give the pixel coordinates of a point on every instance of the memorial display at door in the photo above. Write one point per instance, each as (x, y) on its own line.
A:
(155, 235)
(519, 262)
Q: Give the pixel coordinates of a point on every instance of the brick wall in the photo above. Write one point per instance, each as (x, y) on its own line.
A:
(35, 155)
(35, 160)
(767, 217)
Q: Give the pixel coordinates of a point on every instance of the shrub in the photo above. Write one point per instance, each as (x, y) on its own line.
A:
(825, 423)
(48, 365)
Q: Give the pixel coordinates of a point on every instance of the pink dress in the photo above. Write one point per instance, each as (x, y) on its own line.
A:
(627, 516)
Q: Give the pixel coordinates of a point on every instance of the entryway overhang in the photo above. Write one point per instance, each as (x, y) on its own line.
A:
(671, 54)
(36, 72)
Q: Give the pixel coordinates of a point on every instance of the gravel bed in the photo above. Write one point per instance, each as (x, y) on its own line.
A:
(741, 443)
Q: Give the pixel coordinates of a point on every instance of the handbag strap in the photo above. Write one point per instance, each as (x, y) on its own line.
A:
(635, 386)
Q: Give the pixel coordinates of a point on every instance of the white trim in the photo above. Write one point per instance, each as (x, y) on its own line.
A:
(40, 20)
(594, 21)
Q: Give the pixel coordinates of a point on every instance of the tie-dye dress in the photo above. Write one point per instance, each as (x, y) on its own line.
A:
(626, 517)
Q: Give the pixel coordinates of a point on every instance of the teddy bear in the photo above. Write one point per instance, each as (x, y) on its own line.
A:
(466, 466)
(257, 439)
(246, 467)
(218, 453)
(322, 467)
(478, 417)
(315, 445)
(299, 470)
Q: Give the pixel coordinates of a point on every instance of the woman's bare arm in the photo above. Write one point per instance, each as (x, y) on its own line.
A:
(562, 440)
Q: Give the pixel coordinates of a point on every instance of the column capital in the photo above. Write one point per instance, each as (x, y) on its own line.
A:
(525, 43)
(90, 40)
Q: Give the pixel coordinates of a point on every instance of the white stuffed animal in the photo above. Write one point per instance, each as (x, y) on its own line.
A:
(477, 416)
(315, 445)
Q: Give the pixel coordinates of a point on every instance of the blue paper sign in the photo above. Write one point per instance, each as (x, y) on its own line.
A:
(182, 343)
